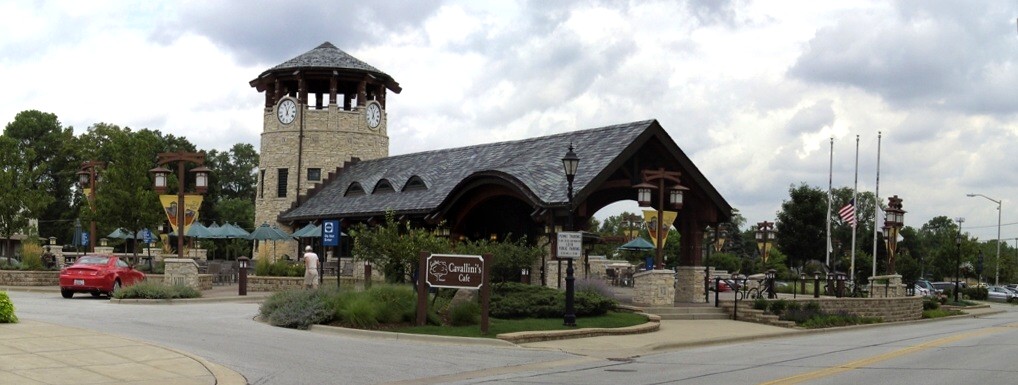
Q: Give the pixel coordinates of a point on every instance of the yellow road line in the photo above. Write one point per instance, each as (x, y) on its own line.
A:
(881, 357)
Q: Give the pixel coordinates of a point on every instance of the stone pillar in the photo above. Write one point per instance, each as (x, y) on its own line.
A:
(181, 271)
(689, 284)
(654, 288)
(886, 286)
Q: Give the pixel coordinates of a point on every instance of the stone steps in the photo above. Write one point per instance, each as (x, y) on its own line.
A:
(748, 314)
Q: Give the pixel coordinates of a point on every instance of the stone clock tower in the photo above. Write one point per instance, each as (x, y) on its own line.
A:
(322, 109)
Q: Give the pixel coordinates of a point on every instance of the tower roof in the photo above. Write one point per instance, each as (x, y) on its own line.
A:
(328, 58)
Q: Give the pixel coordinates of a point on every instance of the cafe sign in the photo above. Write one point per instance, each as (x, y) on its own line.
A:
(455, 271)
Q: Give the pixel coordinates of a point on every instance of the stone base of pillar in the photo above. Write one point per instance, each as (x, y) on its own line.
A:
(886, 286)
(689, 284)
(181, 271)
(654, 288)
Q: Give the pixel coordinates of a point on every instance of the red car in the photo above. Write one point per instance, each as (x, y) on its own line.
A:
(98, 275)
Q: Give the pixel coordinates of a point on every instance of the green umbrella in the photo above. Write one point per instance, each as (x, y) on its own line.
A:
(638, 244)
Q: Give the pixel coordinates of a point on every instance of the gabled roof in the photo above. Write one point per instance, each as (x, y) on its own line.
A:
(531, 166)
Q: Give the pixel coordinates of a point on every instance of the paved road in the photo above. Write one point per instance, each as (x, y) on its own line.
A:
(957, 351)
(225, 333)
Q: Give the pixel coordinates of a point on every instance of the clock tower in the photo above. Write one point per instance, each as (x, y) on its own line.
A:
(322, 108)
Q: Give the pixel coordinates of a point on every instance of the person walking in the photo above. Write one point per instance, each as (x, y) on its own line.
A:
(310, 268)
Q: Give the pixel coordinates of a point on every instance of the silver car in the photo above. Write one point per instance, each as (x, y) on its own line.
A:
(999, 293)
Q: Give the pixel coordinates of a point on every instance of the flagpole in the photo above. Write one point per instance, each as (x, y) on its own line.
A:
(876, 206)
(830, 177)
(855, 212)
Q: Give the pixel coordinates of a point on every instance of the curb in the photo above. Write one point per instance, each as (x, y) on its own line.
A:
(140, 301)
(335, 330)
(652, 325)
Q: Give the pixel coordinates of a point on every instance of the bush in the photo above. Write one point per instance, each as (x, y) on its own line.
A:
(296, 308)
(778, 306)
(280, 268)
(760, 304)
(517, 300)
(360, 313)
(7, 309)
(837, 319)
(465, 313)
(793, 306)
(32, 261)
(393, 304)
(976, 293)
(595, 286)
(811, 306)
(931, 304)
(156, 290)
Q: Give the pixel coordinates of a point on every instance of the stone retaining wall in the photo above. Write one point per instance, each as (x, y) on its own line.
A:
(29, 278)
(204, 280)
(887, 309)
(255, 283)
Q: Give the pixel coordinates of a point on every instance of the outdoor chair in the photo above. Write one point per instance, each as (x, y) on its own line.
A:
(347, 269)
(214, 268)
(329, 268)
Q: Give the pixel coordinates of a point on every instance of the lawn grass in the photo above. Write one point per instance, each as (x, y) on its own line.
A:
(499, 326)
(937, 313)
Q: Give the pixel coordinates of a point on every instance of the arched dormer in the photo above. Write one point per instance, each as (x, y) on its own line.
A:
(354, 189)
(415, 183)
(383, 186)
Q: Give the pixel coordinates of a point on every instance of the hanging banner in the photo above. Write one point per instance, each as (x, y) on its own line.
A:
(191, 205)
(650, 218)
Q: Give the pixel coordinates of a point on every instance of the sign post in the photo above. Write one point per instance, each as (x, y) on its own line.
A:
(456, 272)
(331, 233)
(570, 245)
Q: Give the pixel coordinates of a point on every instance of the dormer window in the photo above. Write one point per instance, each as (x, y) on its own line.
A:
(415, 183)
(383, 186)
(354, 189)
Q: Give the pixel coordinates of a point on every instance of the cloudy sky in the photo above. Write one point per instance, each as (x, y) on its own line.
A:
(752, 91)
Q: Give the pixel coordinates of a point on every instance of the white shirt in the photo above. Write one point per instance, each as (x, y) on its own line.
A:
(310, 261)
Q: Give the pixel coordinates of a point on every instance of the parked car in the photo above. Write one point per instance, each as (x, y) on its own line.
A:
(933, 291)
(998, 293)
(97, 275)
(944, 286)
(922, 291)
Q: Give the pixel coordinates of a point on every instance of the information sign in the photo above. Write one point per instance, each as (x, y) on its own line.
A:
(330, 233)
(455, 271)
(570, 244)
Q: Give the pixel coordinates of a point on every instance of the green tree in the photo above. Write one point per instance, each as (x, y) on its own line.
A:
(124, 198)
(53, 158)
(20, 200)
(395, 246)
(801, 225)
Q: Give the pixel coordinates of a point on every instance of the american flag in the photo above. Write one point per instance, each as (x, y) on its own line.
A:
(847, 213)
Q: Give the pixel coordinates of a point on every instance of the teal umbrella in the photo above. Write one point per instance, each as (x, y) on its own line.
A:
(198, 230)
(638, 244)
(234, 231)
(119, 233)
(309, 231)
(267, 233)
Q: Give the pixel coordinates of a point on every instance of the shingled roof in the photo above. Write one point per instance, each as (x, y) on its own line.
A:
(327, 57)
(534, 165)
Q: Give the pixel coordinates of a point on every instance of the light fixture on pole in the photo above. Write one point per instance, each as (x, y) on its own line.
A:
(764, 235)
(88, 179)
(894, 220)
(160, 175)
(675, 198)
(569, 164)
(996, 278)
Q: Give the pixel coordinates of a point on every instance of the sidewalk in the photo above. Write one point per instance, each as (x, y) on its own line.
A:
(34, 352)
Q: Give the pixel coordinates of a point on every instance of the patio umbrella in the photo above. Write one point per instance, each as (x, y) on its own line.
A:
(234, 231)
(216, 231)
(638, 244)
(119, 233)
(267, 233)
(198, 230)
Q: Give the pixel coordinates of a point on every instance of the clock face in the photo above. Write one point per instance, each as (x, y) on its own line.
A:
(287, 111)
(373, 113)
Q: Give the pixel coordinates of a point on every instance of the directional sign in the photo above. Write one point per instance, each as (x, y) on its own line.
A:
(455, 271)
(330, 233)
(570, 244)
(147, 234)
(84, 239)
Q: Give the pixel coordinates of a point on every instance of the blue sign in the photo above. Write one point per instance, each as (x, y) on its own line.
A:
(84, 239)
(330, 233)
(147, 234)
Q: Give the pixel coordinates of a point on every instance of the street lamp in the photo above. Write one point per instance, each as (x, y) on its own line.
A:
(996, 278)
(957, 265)
(632, 222)
(570, 163)
(894, 219)
(87, 179)
(160, 174)
(643, 197)
(764, 234)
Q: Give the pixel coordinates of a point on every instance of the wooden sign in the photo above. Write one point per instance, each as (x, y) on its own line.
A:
(457, 272)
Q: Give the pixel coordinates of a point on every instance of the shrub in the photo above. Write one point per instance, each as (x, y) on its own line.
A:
(280, 268)
(7, 309)
(517, 300)
(777, 307)
(811, 306)
(156, 290)
(793, 306)
(465, 313)
(359, 313)
(976, 293)
(393, 303)
(296, 308)
(595, 286)
(760, 304)
(32, 261)
(837, 319)
(931, 304)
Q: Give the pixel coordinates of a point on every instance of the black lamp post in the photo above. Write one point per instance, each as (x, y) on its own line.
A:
(570, 163)
(674, 198)
(892, 225)
(87, 179)
(957, 266)
(201, 181)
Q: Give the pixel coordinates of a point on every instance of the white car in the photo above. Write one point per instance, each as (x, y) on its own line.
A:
(922, 291)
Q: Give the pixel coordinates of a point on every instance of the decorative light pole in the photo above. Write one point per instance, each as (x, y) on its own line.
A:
(570, 163)
(996, 278)
(957, 265)
(893, 221)
(201, 183)
(674, 198)
(764, 234)
(632, 223)
(88, 179)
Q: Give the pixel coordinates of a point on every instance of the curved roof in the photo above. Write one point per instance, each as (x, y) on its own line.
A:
(327, 57)
(534, 165)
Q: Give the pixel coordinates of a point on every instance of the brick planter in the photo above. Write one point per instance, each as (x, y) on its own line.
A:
(29, 278)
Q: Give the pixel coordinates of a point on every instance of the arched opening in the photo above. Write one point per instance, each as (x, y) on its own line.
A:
(500, 218)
